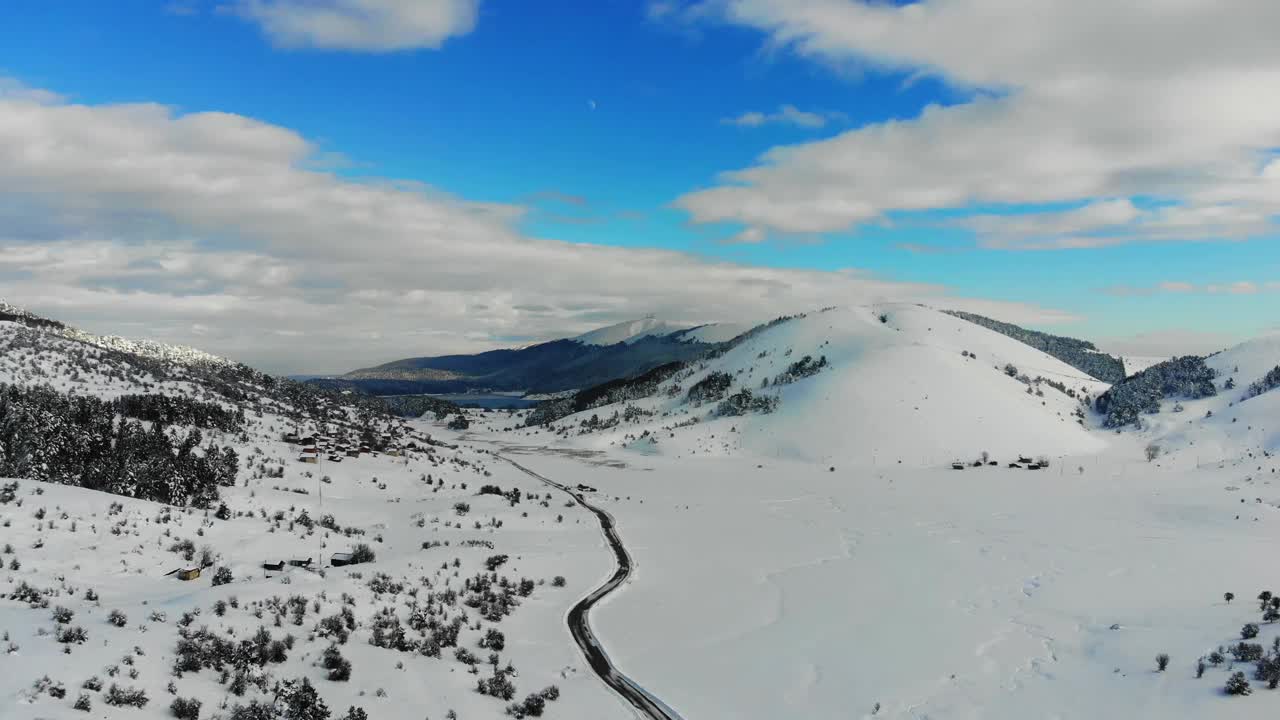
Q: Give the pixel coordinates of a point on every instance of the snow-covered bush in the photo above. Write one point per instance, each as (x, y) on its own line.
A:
(185, 708)
(744, 401)
(339, 667)
(129, 696)
(362, 553)
(1237, 684)
(710, 388)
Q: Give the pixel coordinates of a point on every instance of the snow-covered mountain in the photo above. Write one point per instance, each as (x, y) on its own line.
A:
(885, 383)
(628, 332)
(807, 461)
(605, 354)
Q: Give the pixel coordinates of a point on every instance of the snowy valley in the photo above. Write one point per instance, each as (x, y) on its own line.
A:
(875, 511)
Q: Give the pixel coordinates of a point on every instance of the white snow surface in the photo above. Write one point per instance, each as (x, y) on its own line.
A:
(898, 391)
(65, 541)
(628, 332)
(178, 354)
(1218, 429)
(714, 332)
(821, 561)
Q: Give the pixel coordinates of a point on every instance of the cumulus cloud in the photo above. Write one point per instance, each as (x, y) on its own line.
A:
(364, 25)
(1110, 102)
(785, 115)
(221, 231)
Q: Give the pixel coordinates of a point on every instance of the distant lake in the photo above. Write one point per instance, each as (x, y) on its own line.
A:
(488, 402)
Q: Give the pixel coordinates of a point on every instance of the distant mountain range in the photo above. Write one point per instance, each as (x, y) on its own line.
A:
(612, 352)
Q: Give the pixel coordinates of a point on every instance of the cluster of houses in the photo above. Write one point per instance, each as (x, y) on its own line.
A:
(1022, 462)
(313, 447)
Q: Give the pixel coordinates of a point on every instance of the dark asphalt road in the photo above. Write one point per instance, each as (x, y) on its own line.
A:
(579, 625)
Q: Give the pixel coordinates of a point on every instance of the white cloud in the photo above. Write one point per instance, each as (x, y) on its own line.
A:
(140, 220)
(1075, 101)
(785, 115)
(1181, 287)
(367, 25)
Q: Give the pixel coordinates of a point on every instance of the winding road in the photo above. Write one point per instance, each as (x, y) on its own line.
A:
(580, 628)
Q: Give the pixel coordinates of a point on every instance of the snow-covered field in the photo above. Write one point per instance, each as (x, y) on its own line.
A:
(771, 589)
(822, 560)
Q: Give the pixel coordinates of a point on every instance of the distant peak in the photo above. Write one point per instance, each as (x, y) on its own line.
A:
(629, 331)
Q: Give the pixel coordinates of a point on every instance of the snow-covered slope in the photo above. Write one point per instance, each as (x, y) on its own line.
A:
(1230, 425)
(713, 332)
(901, 384)
(628, 332)
(87, 588)
(179, 354)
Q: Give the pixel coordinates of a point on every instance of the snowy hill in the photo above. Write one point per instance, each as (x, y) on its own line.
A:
(1229, 425)
(807, 462)
(180, 354)
(628, 332)
(634, 330)
(885, 383)
(157, 506)
(713, 332)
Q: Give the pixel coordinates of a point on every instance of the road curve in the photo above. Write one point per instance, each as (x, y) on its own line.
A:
(580, 628)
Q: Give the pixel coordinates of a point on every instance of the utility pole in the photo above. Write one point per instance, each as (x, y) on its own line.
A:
(319, 511)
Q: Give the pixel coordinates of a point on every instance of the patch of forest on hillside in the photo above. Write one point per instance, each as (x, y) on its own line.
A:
(1079, 354)
(79, 440)
(614, 391)
(1185, 377)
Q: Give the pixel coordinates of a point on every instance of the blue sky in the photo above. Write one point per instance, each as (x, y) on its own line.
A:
(603, 121)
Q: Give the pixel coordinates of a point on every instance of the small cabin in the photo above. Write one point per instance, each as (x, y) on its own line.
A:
(273, 567)
(393, 452)
(190, 573)
(309, 458)
(340, 559)
(291, 437)
(1024, 460)
(957, 465)
(305, 563)
(353, 453)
